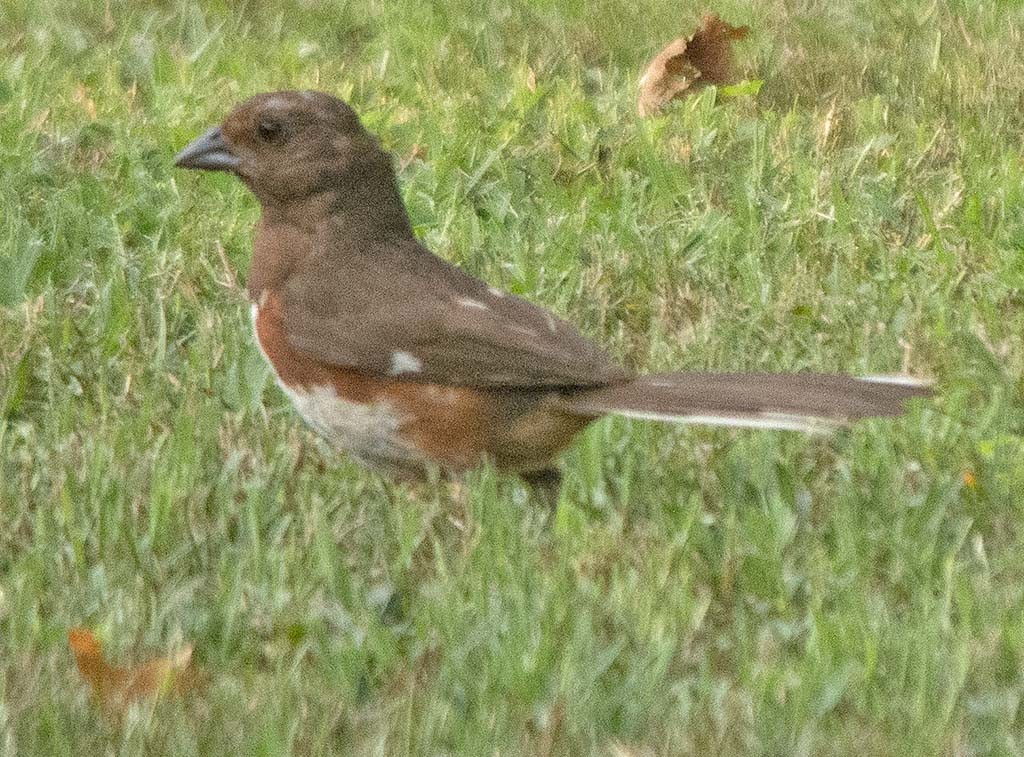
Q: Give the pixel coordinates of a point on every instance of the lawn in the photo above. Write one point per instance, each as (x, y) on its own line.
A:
(697, 591)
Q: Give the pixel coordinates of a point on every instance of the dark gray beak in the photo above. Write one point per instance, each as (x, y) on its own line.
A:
(207, 152)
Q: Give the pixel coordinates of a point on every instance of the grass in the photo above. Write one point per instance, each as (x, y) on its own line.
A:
(698, 591)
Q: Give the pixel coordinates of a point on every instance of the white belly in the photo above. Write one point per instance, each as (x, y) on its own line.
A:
(367, 431)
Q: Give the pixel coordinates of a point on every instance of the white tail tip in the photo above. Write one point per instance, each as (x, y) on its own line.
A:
(807, 424)
(897, 379)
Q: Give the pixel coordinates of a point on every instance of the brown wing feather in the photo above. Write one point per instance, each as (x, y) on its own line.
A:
(398, 299)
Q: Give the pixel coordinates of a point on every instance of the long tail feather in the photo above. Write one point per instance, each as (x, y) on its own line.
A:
(798, 401)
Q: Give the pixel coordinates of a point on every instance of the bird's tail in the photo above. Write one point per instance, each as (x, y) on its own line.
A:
(795, 401)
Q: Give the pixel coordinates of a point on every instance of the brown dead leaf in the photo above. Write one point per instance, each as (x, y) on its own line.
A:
(115, 687)
(531, 79)
(686, 64)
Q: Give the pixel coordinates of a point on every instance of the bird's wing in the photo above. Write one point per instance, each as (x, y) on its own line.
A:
(397, 310)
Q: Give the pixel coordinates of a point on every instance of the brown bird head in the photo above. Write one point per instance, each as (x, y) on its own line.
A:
(290, 146)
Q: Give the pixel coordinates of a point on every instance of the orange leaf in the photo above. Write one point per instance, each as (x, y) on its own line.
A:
(685, 64)
(116, 687)
(83, 643)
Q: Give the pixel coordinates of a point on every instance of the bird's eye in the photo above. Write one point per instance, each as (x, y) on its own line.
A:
(270, 131)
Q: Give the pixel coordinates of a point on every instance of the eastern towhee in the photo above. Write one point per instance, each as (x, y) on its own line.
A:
(406, 362)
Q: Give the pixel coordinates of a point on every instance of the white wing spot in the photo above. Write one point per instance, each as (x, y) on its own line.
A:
(469, 302)
(495, 292)
(442, 394)
(404, 362)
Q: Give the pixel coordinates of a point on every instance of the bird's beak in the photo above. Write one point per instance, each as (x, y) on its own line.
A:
(208, 152)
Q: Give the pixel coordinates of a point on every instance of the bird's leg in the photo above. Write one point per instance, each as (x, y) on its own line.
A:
(545, 484)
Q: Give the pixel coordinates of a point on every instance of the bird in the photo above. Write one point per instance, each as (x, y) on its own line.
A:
(410, 365)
